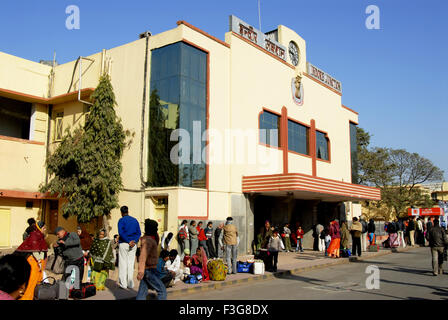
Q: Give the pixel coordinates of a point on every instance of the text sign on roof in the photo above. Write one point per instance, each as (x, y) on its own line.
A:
(257, 37)
(324, 77)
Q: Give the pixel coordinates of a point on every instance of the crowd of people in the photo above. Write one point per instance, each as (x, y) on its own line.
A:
(160, 266)
(93, 257)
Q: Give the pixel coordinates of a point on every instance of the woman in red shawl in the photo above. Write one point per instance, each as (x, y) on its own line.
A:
(34, 249)
(199, 261)
(335, 244)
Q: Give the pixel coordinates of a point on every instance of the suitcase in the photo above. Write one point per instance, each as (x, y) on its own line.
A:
(55, 264)
(374, 248)
(244, 267)
(258, 267)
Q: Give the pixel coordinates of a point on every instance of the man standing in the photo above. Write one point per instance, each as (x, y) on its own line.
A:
(356, 231)
(364, 233)
(400, 231)
(69, 245)
(437, 239)
(193, 232)
(411, 231)
(229, 238)
(129, 234)
(147, 265)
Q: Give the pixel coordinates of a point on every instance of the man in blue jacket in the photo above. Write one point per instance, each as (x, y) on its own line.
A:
(129, 235)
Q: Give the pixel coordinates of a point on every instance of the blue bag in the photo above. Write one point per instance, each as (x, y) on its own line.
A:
(244, 267)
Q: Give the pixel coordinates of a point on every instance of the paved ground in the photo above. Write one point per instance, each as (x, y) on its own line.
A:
(287, 261)
(404, 275)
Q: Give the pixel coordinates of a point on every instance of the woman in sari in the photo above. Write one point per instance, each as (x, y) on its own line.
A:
(34, 249)
(199, 264)
(345, 235)
(335, 244)
(102, 259)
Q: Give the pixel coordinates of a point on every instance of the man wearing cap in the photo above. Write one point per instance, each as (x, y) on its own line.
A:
(129, 235)
(69, 245)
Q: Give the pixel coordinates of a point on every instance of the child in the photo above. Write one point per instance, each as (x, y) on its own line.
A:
(327, 238)
(274, 246)
(300, 234)
(161, 271)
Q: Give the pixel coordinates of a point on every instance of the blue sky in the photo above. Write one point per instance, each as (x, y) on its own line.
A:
(395, 77)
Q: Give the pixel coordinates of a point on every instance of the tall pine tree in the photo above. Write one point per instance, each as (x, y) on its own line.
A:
(86, 167)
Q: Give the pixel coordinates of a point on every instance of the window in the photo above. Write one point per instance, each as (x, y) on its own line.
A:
(269, 129)
(321, 146)
(59, 126)
(15, 118)
(178, 101)
(298, 137)
(354, 152)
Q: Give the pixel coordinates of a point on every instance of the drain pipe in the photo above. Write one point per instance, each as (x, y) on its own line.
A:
(145, 35)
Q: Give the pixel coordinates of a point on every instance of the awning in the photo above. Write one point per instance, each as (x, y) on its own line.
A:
(303, 186)
(66, 97)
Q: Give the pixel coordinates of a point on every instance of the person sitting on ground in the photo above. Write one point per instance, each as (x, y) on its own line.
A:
(15, 272)
(173, 264)
(274, 246)
(31, 226)
(187, 263)
(199, 264)
(162, 272)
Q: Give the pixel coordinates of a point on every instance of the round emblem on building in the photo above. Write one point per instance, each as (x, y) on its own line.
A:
(297, 89)
(293, 50)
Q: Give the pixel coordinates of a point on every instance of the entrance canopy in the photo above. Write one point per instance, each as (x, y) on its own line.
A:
(307, 187)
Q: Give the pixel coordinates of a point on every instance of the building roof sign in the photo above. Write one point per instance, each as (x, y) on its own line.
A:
(324, 77)
(257, 37)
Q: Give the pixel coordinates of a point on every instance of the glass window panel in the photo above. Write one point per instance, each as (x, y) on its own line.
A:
(321, 146)
(269, 129)
(178, 73)
(297, 137)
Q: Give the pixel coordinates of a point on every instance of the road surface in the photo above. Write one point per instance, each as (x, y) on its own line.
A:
(405, 275)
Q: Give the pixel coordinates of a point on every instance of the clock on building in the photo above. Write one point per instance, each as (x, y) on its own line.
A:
(293, 53)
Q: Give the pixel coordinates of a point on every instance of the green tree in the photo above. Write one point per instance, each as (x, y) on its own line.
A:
(86, 167)
(397, 172)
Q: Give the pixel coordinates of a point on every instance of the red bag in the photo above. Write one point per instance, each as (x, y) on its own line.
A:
(87, 290)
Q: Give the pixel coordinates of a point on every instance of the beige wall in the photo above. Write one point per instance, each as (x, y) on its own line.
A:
(19, 215)
(29, 77)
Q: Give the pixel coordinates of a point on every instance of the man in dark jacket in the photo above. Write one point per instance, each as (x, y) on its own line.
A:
(437, 240)
(69, 245)
(411, 231)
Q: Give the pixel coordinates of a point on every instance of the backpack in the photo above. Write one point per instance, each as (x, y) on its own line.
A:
(182, 233)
